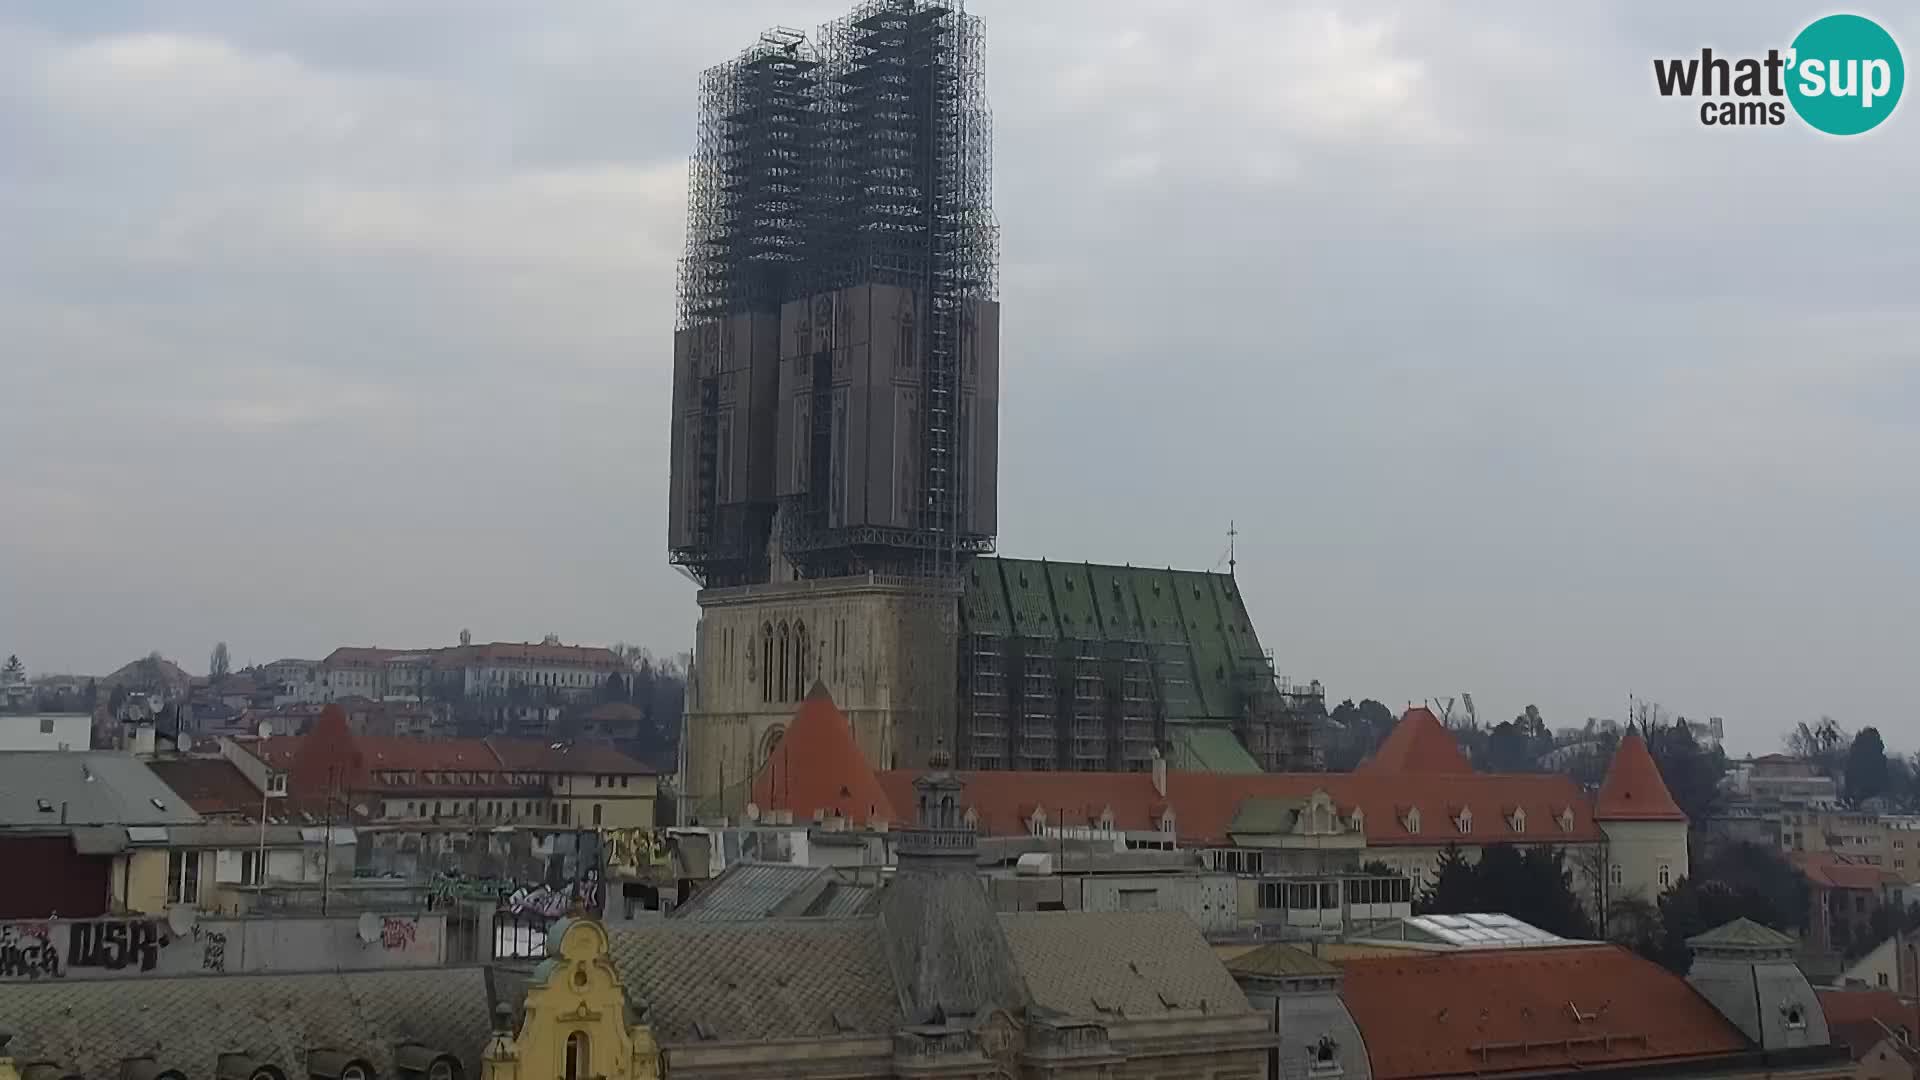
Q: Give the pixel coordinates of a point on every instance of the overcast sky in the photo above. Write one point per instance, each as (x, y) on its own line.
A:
(322, 324)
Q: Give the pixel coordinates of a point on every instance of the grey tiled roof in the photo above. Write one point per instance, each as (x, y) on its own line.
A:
(770, 979)
(1132, 964)
(1279, 960)
(92, 1025)
(1742, 933)
(121, 791)
(784, 978)
(749, 891)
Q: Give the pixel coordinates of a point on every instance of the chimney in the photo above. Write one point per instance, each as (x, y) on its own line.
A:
(1159, 773)
(143, 739)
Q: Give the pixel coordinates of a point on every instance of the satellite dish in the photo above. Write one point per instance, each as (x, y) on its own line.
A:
(180, 920)
(753, 811)
(266, 728)
(368, 928)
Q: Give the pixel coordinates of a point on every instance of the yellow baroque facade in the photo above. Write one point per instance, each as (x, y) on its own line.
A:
(574, 1024)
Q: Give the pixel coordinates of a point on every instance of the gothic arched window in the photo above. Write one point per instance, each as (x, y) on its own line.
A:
(785, 663)
(766, 663)
(805, 667)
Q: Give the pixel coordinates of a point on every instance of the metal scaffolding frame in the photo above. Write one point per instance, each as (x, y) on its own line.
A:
(864, 157)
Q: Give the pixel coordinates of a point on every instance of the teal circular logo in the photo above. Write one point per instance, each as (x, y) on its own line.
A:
(1846, 74)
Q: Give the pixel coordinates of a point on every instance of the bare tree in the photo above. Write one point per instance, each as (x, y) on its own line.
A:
(220, 663)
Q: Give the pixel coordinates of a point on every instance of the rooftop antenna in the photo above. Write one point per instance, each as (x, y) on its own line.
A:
(1233, 534)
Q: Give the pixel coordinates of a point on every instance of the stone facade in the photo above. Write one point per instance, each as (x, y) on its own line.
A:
(884, 647)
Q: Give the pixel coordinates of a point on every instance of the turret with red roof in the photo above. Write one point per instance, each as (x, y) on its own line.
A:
(1646, 830)
(818, 768)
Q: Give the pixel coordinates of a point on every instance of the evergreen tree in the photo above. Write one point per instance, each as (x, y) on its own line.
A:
(1534, 886)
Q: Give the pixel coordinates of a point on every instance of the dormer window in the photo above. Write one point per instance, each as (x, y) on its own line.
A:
(1357, 820)
(1464, 821)
(1166, 820)
(1106, 819)
(1413, 821)
(1795, 1015)
(1518, 820)
(1566, 819)
(972, 818)
(1037, 823)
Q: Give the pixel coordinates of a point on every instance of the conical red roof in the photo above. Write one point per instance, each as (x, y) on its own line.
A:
(328, 759)
(818, 766)
(1419, 743)
(1633, 790)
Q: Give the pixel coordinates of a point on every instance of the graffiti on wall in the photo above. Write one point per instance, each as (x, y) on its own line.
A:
(30, 950)
(631, 851)
(587, 894)
(452, 887)
(398, 933)
(27, 952)
(213, 949)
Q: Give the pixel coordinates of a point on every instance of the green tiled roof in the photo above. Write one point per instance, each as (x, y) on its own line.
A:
(1266, 816)
(984, 605)
(1026, 583)
(1209, 749)
(1194, 623)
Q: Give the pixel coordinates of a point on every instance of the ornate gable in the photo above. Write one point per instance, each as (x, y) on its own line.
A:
(574, 1025)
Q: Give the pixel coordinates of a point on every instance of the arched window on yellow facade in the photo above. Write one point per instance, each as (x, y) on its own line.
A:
(579, 1057)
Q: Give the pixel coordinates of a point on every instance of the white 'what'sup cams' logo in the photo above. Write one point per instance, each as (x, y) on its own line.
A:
(1842, 75)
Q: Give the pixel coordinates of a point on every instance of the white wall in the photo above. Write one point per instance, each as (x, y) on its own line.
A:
(1640, 849)
(46, 731)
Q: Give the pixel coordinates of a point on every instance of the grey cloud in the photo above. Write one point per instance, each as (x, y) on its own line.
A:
(328, 323)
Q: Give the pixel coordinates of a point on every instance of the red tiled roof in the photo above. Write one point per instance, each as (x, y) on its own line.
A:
(534, 755)
(1513, 1011)
(1205, 804)
(1824, 868)
(1633, 790)
(357, 656)
(496, 653)
(209, 785)
(394, 752)
(331, 754)
(818, 766)
(1860, 1019)
(1003, 802)
(326, 758)
(501, 652)
(1419, 743)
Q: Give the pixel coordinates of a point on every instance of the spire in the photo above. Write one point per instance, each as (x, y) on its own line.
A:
(1633, 790)
(1418, 744)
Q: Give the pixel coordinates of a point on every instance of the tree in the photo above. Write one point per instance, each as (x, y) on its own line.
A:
(1866, 775)
(1729, 881)
(1454, 888)
(220, 663)
(1359, 731)
(1691, 772)
(15, 671)
(1534, 886)
(1824, 744)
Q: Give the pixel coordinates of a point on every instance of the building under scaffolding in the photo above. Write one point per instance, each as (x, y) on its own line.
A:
(1078, 666)
(835, 447)
(836, 366)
